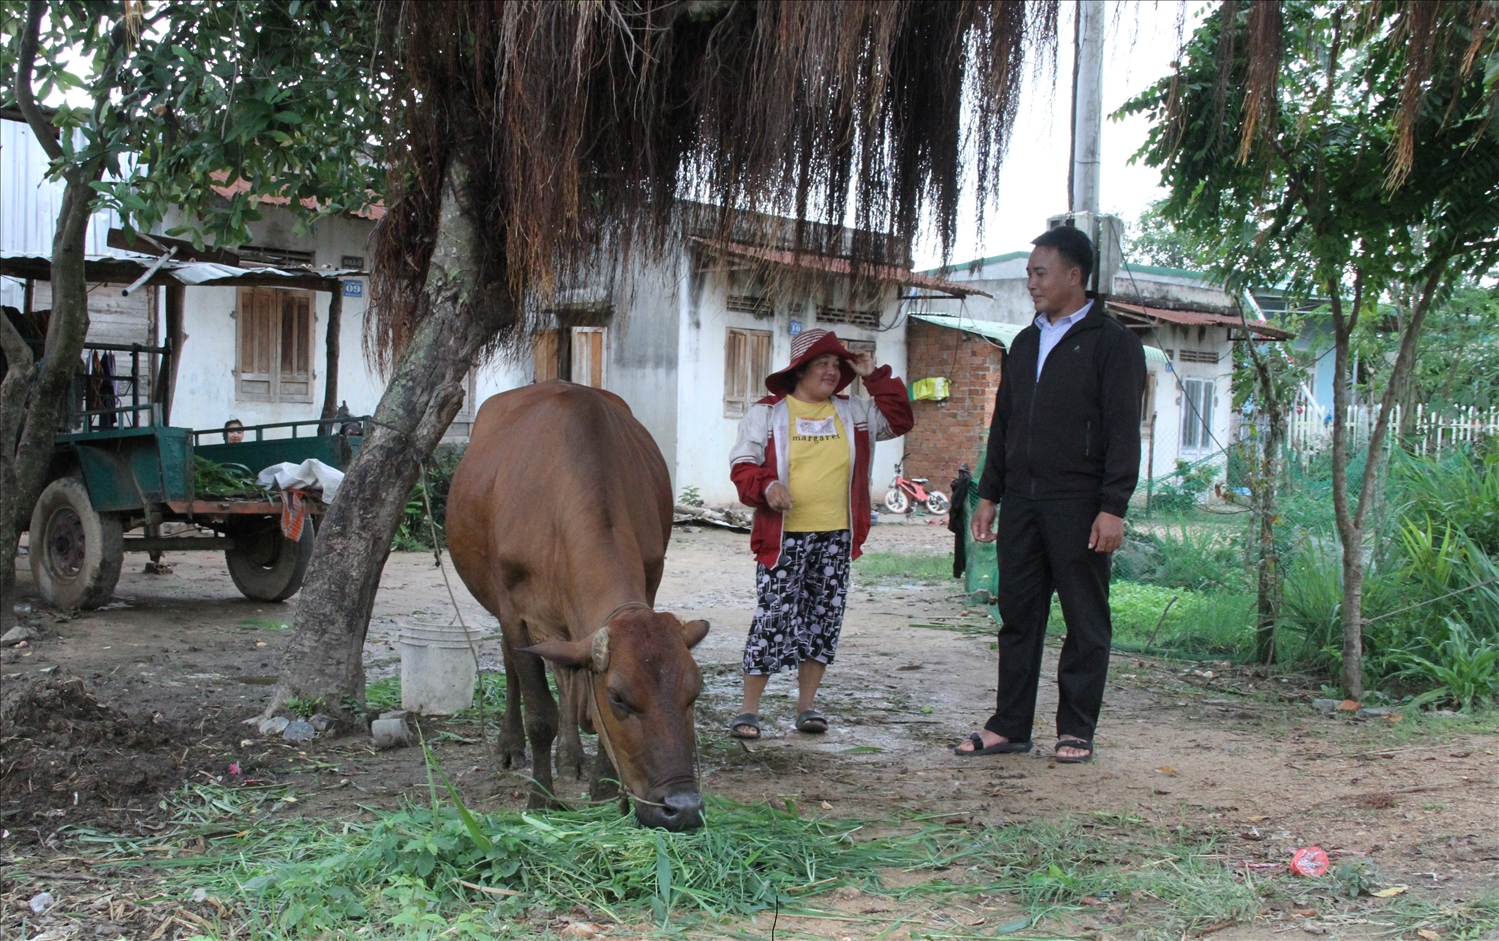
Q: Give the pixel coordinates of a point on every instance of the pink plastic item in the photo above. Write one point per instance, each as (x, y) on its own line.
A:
(1310, 861)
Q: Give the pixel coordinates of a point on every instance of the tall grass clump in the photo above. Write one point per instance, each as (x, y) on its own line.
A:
(1460, 489)
(903, 567)
(1187, 553)
(1217, 624)
(1431, 582)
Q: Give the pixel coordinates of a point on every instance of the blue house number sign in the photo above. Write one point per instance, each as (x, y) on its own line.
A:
(796, 327)
(353, 288)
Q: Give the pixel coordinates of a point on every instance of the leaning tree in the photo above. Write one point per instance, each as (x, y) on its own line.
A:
(531, 140)
(163, 106)
(1346, 149)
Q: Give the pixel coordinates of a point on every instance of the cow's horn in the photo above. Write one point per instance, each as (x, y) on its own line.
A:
(601, 650)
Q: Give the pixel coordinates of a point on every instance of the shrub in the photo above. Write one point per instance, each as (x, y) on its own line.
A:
(1182, 490)
(1462, 489)
(1465, 672)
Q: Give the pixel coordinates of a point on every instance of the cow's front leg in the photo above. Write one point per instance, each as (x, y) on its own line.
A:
(570, 686)
(511, 747)
(605, 783)
(541, 727)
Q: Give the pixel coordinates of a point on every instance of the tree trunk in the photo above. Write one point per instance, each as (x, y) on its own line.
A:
(1353, 521)
(35, 424)
(324, 657)
(1350, 534)
(1268, 593)
(1405, 362)
(27, 432)
(19, 370)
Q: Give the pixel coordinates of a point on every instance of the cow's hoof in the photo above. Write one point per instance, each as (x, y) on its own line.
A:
(511, 752)
(603, 789)
(541, 801)
(570, 763)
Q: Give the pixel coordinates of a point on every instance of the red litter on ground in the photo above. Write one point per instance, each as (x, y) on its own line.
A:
(1310, 861)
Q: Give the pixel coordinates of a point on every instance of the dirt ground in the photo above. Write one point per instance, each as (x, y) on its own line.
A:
(107, 711)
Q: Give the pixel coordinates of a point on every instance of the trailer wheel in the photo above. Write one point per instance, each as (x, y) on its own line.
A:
(76, 552)
(264, 564)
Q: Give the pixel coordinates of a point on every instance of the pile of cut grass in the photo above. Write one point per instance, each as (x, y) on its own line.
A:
(442, 871)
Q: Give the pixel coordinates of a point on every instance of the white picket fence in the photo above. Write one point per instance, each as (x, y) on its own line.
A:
(1309, 428)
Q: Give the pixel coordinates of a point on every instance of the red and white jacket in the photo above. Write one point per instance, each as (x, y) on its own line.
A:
(760, 456)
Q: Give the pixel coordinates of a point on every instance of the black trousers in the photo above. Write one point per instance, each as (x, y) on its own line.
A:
(1043, 546)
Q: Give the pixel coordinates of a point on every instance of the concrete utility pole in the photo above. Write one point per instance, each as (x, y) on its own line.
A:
(1085, 170)
(1087, 108)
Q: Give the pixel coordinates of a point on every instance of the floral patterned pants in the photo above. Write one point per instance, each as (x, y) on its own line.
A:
(799, 603)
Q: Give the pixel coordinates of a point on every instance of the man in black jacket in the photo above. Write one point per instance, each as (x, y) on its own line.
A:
(1063, 460)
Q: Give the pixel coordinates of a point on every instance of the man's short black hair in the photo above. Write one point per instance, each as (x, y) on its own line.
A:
(1072, 244)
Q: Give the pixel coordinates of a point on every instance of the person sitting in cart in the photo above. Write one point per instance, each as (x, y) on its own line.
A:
(234, 431)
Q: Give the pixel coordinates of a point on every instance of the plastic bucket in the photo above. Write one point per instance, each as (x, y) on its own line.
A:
(437, 669)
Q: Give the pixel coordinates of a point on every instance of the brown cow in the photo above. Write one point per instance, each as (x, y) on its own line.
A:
(557, 521)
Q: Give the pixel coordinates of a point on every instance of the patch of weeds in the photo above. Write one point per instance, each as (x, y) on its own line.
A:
(383, 695)
(903, 567)
(1466, 674)
(489, 689)
(304, 708)
(1476, 918)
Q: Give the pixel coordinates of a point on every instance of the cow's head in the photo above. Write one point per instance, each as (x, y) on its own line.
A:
(644, 685)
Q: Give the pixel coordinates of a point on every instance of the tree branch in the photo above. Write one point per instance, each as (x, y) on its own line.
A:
(1405, 360)
(17, 353)
(41, 128)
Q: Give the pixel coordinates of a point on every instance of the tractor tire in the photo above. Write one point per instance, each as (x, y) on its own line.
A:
(76, 552)
(265, 565)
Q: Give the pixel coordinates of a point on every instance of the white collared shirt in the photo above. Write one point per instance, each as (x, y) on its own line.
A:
(1053, 331)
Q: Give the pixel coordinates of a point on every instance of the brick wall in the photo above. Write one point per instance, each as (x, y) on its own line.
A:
(955, 431)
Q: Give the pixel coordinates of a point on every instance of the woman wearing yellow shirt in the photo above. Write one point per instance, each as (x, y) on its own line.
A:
(803, 461)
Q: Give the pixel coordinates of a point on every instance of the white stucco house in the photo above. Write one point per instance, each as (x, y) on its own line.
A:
(686, 336)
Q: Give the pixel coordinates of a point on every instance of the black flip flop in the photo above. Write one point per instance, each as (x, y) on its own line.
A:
(745, 718)
(1073, 743)
(811, 722)
(979, 748)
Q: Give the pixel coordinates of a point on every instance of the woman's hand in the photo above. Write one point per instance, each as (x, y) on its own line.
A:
(778, 497)
(862, 363)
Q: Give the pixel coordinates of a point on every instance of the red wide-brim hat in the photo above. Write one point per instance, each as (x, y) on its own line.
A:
(808, 345)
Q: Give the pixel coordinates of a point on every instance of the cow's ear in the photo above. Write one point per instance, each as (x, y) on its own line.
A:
(568, 653)
(693, 632)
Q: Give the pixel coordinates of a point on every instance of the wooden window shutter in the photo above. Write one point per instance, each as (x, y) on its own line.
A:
(588, 355)
(256, 340)
(746, 364)
(275, 345)
(544, 357)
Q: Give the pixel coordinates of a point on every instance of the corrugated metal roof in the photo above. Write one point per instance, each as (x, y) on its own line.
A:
(835, 265)
(126, 267)
(1005, 333)
(1197, 318)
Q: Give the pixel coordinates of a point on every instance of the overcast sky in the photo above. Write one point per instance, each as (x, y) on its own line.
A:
(1142, 42)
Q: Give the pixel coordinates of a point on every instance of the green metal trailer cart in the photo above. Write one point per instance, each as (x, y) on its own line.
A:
(110, 482)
